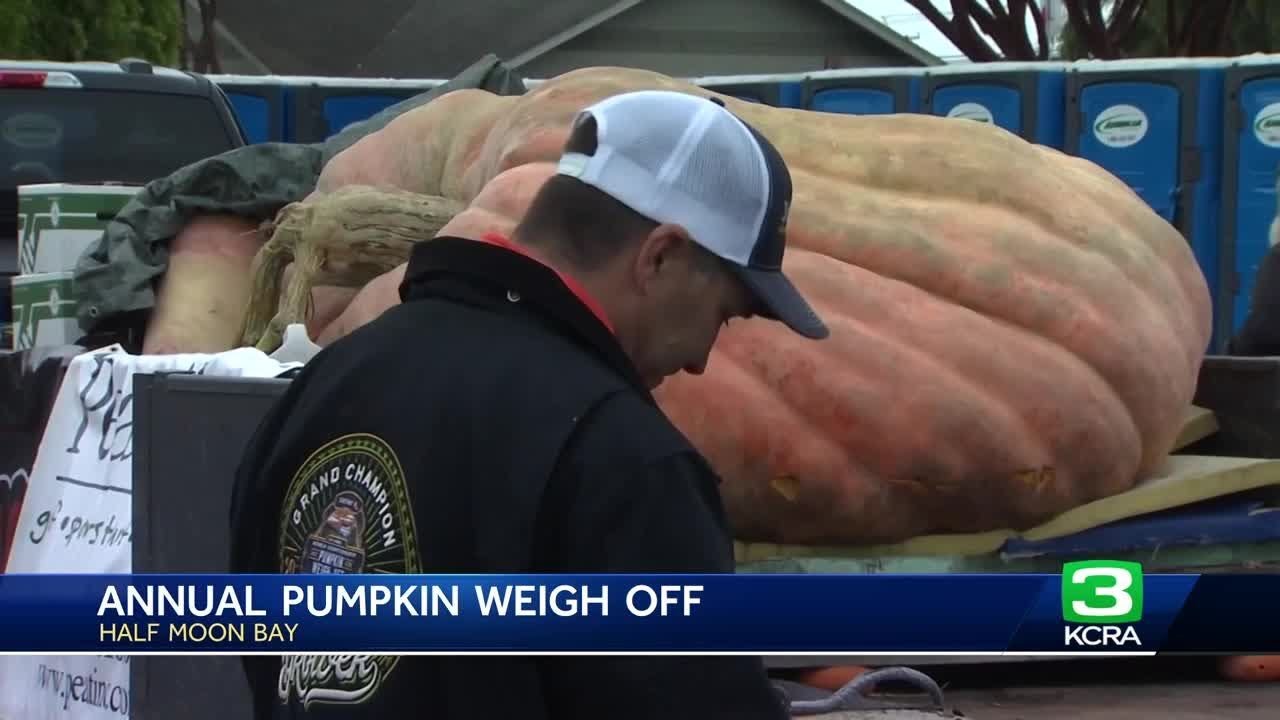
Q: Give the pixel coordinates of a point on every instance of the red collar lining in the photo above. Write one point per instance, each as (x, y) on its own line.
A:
(574, 286)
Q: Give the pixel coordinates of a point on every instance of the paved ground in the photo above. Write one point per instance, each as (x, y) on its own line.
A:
(1166, 702)
(1172, 689)
(883, 715)
(1209, 701)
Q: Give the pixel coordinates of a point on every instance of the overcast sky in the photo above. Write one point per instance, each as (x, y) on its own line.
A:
(900, 16)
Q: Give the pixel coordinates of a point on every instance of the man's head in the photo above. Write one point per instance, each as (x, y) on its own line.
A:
(673, 212)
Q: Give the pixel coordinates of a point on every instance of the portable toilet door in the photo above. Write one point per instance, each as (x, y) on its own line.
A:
(1250, 160)
(871, 91)
(323, 107)
(260, 105)
(772, 90)
(1157, 125)
(1025, 98)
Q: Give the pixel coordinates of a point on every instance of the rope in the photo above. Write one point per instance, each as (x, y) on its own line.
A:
(852, 697)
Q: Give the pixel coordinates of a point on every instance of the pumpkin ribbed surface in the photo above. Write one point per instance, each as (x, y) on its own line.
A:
(1014, 332)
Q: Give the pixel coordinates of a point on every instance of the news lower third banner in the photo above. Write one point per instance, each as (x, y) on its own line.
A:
(1092, 607)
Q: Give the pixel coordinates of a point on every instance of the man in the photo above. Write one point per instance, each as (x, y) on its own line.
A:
(1259, 334)
(500, 420)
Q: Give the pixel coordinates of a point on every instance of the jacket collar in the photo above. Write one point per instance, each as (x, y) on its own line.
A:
(489, 274)
(584, 296)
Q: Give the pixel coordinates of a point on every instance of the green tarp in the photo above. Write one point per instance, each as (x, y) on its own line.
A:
(117, 275)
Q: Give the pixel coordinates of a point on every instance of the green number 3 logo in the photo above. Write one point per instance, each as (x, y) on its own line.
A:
(1102, 591)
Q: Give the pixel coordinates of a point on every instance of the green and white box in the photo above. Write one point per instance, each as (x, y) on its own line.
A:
(57, 221)
(44, 310)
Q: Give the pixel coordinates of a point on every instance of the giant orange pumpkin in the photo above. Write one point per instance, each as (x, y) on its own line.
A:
(1014, 332)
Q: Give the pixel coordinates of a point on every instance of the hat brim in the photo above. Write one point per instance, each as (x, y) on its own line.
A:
(780, 300)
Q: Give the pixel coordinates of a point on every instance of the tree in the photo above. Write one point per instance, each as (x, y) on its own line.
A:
(78, 30)
(987, 30)
(974, 27)
(15, 31)
(1172, 28)
(1103, 26)
(201, 54)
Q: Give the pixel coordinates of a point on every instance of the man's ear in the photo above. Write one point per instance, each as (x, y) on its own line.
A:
(657, 252)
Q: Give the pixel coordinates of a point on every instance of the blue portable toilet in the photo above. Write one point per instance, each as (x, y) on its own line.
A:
(260, 104)
(1025, 98)
(1250, 160)
(863, 91)
(774, 90)
(322, 107)
(1157, 125)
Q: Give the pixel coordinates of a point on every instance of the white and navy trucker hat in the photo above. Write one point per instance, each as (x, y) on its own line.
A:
(686, 160)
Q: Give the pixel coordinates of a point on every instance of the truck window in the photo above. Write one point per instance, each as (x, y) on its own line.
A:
(83, 135)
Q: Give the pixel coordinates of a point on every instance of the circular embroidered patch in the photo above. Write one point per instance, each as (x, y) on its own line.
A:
(346, 511)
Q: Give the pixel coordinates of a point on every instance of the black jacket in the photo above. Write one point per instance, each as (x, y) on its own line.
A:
(489, 423)
(1259, 335)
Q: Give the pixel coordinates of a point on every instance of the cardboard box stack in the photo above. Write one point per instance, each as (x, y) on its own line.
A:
(57, 222)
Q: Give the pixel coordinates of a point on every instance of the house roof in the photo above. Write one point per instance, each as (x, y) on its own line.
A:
(437, 38)
(883, 32)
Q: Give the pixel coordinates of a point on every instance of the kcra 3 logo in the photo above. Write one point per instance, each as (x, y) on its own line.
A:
(1101, 601)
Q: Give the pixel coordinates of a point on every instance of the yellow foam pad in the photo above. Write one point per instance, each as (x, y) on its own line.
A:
(1198, 424)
